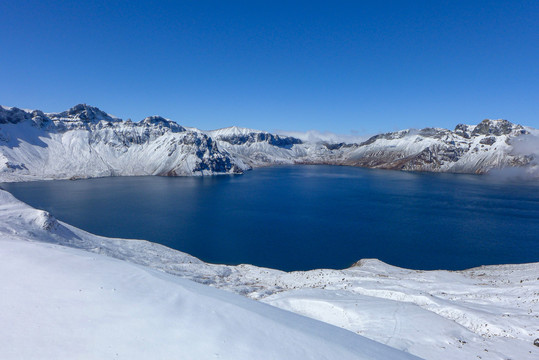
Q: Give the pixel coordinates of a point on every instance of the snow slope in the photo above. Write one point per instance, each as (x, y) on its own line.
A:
(488, 313)
(62, 303)
(87, 142)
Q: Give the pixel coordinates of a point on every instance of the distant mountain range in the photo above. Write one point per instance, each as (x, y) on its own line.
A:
(86, 142)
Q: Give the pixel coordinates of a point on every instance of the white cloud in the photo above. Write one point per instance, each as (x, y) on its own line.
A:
(525, 145)
(326, 136)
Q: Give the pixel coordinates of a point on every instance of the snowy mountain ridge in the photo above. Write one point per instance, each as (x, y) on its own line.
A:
(85, 141)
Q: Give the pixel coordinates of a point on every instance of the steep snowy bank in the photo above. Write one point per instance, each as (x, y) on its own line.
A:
(488, 313)
(62, 303)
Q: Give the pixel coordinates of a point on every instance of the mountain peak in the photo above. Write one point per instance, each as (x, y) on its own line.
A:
(157, 120)
(84, 113)
(493, 127)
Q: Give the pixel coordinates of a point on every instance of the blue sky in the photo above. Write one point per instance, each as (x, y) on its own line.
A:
(343, 66)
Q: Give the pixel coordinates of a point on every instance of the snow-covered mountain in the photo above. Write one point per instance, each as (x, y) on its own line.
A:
(467, 149)
(87, 142)
(66, 291)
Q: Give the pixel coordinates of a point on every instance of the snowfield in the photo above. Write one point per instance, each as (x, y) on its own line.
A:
(63, 303)
(70, 294)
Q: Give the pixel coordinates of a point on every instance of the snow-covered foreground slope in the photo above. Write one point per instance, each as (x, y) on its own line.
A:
(87, 142)
(58, 295)
(62, 303)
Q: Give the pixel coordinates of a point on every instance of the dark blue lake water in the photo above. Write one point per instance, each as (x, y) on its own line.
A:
(305, 217)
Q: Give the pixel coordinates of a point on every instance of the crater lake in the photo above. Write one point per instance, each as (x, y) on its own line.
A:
(307, 217)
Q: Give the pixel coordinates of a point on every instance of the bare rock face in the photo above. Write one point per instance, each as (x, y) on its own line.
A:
(488, 140)
(257, 137)
(463, 130)
(493, 127)
(160, 122)
(84, 113)
(15, 115)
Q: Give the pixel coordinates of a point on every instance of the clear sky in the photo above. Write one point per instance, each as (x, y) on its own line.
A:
(343, 66)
